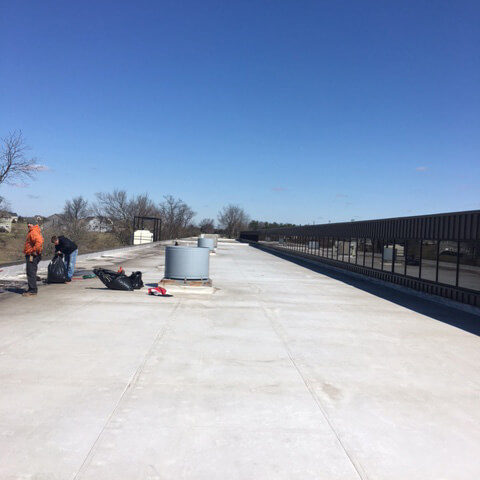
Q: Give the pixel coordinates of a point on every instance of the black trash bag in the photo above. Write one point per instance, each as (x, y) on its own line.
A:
(57, 272)
(114, 280)
(105, 276)
(136, 279)
(122, 282)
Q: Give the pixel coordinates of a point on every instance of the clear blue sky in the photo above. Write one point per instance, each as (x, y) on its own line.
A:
(300, 111)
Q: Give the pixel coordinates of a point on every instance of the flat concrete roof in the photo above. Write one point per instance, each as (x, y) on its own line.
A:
(282, 373)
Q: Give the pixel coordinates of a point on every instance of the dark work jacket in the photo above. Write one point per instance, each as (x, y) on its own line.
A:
(65, 245)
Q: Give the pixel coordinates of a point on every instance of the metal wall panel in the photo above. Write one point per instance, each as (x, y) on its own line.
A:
(446, 226)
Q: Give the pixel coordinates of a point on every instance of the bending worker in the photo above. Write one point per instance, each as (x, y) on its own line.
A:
(33, 254)
(69, 249)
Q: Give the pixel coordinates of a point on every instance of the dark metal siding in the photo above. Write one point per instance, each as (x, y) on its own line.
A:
(446, 226)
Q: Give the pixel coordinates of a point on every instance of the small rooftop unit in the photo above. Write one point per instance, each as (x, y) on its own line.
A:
(142, 236)
(187, 263)
(206, 243)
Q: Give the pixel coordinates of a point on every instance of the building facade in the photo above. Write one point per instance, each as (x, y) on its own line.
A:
(437, 254)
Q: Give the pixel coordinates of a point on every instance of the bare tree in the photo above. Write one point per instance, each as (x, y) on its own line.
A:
(118, 210)
(207, 225)
(176, 217)
(74, 214)
(142, 205)
(4, 206)
(233, 219)
(76, 209)
(14, 162)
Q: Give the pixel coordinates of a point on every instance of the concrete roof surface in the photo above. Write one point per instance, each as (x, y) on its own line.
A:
(281, 373)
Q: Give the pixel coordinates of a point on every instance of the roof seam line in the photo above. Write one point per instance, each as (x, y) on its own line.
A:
(278, 331)
(131, 383)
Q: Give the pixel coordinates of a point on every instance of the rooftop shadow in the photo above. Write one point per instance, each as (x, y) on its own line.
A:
(455, 317)
(13, 286)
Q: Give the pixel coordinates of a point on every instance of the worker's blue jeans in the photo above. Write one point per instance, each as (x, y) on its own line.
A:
(70, 261)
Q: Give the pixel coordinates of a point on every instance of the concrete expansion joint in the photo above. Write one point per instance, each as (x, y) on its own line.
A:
(277, 328)
(131, 384)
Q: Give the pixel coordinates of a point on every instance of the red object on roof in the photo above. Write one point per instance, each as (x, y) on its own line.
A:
(158, 291)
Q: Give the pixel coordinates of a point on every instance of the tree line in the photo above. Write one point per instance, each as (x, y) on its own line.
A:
(115, 212)
(257, 225)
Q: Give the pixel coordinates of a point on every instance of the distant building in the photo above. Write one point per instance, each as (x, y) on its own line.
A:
(97, 224)
(6, 221)
(91, 224)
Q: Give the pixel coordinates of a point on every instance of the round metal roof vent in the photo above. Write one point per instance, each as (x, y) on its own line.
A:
(187, 263)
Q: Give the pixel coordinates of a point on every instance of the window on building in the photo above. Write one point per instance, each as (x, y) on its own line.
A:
(469, 269)
(334, 248)
(321, 246)
(399, 257)
(329, 247)
(346, 246)
(387, 252)
(447, 262)
(346, 250)
(352, 258)
(412, 257)
(368, 252)
(429, 260)
(377, 254)
(360, 257)
(340, 249)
